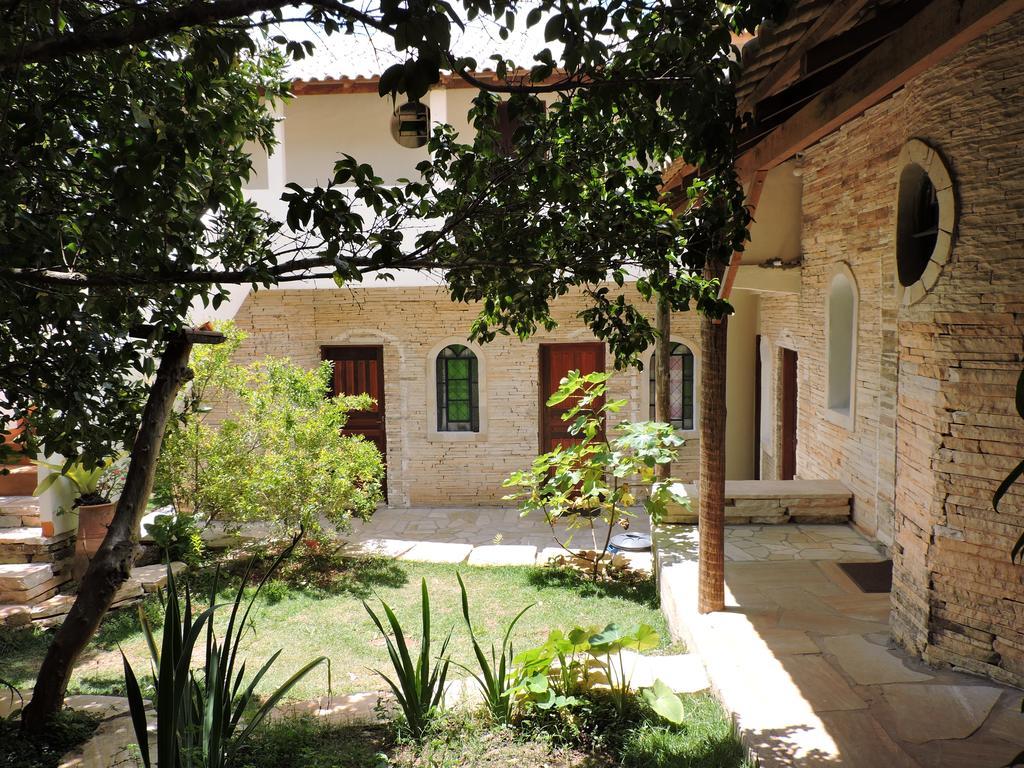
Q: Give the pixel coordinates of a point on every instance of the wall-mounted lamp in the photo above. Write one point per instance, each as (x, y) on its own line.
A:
(798, 164)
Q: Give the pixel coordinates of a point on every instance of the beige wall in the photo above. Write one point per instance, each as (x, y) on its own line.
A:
(934, 430)
(317, 129)
(412, 324)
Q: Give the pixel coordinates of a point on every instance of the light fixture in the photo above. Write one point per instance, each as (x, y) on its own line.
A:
(410, 124)
(798, 164)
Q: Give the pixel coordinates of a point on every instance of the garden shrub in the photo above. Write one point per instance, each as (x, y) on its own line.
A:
(263, 442)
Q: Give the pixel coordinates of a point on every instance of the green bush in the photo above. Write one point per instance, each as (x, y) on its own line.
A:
(594, 479)
(178, 538)
(263, 442)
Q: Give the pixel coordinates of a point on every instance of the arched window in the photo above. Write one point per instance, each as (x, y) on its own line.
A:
(458, 399)
(680, 387)
(842, 344)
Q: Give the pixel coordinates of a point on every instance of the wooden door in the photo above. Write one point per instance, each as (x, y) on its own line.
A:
(357, 371)
(556, 360)
(788, 425)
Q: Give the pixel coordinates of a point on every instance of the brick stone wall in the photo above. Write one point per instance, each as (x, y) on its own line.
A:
(935, 429)
(412, 324)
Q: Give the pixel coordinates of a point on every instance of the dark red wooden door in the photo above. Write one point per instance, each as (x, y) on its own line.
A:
(357, 371)
(556, 360)
(789, 410)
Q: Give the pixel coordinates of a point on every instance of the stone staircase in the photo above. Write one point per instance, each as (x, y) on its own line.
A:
(34, 566)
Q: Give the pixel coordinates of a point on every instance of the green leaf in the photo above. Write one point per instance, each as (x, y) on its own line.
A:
(664, 702)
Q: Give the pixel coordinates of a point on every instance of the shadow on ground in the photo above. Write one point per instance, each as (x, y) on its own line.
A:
(641, 591)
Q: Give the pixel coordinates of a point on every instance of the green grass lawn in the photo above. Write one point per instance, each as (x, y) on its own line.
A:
(318, 611)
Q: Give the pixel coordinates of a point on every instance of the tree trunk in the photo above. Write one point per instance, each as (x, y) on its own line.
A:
(662, 357)
(112, 565)
(711, 516)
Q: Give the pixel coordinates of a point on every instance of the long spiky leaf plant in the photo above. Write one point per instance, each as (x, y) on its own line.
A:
(418, 686)
(202, 715)
(499, 677)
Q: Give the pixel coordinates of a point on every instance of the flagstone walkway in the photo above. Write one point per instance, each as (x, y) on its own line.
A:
(803, 660)
(476, 536)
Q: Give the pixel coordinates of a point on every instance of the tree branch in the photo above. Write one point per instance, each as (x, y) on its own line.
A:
(151, 26)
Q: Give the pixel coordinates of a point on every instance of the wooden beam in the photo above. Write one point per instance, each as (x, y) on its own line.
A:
(753, 198)
(768, 110)
(938, 31)
(834, 17)
(860, 38)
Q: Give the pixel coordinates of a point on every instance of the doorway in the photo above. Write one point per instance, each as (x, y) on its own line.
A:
(556, 360)
(789, 414)
(359, 370)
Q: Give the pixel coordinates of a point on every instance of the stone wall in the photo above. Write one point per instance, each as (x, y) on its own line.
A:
(426, 468)
(935, 429)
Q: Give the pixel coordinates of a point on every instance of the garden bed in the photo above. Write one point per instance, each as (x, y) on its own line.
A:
(592, 735)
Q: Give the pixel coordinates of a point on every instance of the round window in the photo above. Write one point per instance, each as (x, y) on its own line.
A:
(410, 124)
(924, 219)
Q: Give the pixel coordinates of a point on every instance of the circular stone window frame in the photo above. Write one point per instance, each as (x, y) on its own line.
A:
(931, 162)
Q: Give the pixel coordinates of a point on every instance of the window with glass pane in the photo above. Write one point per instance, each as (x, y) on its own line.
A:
(680, 387)
(457, 390)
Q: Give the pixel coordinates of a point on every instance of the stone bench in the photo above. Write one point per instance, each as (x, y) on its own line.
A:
(774, 502)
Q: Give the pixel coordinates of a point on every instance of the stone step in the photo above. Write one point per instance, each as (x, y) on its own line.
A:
(20, 480)
(32, 545)
(21, 576)
(19, 511)
(30, 536)
(766, 502)
(30, 583)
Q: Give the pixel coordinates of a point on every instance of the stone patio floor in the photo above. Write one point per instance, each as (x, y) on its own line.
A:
(803, 659)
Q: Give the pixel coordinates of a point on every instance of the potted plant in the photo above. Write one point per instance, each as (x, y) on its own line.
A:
(96, 490)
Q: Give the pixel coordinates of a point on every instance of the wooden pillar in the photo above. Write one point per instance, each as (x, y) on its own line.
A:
(711, 514)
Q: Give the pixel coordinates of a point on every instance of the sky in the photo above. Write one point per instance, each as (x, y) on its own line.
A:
(359, 55)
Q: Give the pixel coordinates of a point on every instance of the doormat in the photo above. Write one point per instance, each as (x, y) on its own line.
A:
(870, 577)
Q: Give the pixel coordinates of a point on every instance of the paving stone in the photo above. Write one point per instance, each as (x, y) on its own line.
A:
(1007, 720)
(821, 685)
(15, 615)
(437, 552)
(503, 554)
(683, 673)
(861, 742)
(975, 752)
(154, 577)
(337, 710)
(58, 605)
(827, 624)
(379, 547)
(870, 664)
(866, 606)
(102, 707)
(926, 712)
(788, 641)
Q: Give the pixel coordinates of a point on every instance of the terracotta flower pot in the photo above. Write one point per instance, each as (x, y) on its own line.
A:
(93, 522)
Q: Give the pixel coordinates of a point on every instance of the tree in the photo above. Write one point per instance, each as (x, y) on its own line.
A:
(123, 132)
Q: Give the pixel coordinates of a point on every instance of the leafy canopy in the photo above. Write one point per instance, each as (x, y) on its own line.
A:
(262, 442)
(123, 138)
